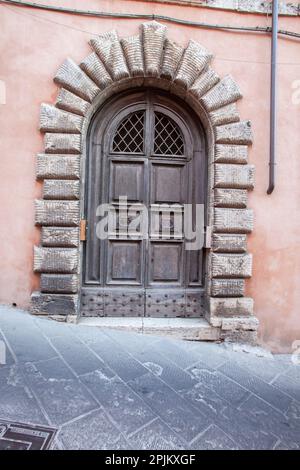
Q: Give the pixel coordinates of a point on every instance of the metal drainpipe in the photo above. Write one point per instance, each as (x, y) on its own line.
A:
(273, 104)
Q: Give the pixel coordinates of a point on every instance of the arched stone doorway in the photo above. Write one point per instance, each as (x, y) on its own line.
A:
(146, 60)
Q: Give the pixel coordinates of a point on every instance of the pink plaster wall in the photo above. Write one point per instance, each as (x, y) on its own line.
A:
(33, 45)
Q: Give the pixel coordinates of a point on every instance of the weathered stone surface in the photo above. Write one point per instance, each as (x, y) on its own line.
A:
(233, 220)
(231, 265)
(71, 77)
(61, 213)
(61, 189)
(231, 153)
(69, 102)
(223, 93)
(234, 176)
(240, 323)
(62, 143)
(58, 166)
(133, 52)
(229, 243)
(109, 49)
(53, 119)
(60, 236)
(53, 304)
(224, 115)
(204, 82)
(59, 283)
(154, 35)
(95, 69)
(231, 307)
(227, 287)
(230, 198)
(55, 260)
(195, 59)
(172, 56)
(236, 133)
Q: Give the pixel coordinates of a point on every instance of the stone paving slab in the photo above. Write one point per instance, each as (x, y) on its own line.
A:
(108, 389)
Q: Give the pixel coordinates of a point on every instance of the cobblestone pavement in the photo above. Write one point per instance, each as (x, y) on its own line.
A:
(107, 389)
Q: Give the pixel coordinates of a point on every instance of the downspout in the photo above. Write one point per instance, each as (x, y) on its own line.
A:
(273, 103)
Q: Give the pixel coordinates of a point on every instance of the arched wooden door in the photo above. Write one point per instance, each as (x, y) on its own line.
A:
(149, 151)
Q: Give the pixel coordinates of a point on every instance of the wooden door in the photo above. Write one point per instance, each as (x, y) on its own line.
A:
(147, 156)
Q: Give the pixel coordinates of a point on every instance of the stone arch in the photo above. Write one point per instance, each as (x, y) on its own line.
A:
(147, 59)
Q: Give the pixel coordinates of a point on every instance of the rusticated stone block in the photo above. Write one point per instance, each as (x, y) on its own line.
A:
(109, 49)
(231, 265)
(133, 52)
(227, 287)
(153, 34)
(71, 77)
(53, 119)
(69, 102)
(59, 283)
(231, 153)
(194, 60)
(58, 166)
(61, 189)
(204, 82)
(229, 243)
(230, 307)
(62, 143)
(236, 133)
(172, 56)
(60, 236)
(233, 220)
(53, 304)
(60, 213)
(224, 92)
(224, 115)
(230, 198)
(234, 176)
(94, 68)
(55, 260)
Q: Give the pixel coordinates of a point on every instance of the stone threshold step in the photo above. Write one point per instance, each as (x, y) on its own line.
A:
(193, 329)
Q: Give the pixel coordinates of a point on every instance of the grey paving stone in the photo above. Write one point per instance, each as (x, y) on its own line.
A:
(243, 430)
(289, 385)
(122, 363)
(269, 393)
(210, 354)
(125, 407)
(156, 435)
(173, 409)
(293, 372)
(92, 432)
(224, 387)
(52, 328)
(25, 338)
(162, 367)
(60, 393)
(7, 358)
(270, 420)
(131, 342)
(78, 356)
(205, 400)
(17, 403)
(214, 439)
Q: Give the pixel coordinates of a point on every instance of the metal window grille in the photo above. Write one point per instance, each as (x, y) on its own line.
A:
(129, 137)
(168, 138)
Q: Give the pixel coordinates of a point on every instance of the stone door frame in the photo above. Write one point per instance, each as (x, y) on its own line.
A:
(148, 59)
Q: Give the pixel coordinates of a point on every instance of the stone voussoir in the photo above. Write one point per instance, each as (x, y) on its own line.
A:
(58, 166)
(53, 119)
(194, 60)
(67, 101)
(133, 51)
(108, 48)
(235, 133)
(225, 92)
(95, 69)
(62, 143)
(153, 36)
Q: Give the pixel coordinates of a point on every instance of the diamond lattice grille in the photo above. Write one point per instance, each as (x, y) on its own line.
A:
(168, 138)
(129, 137)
